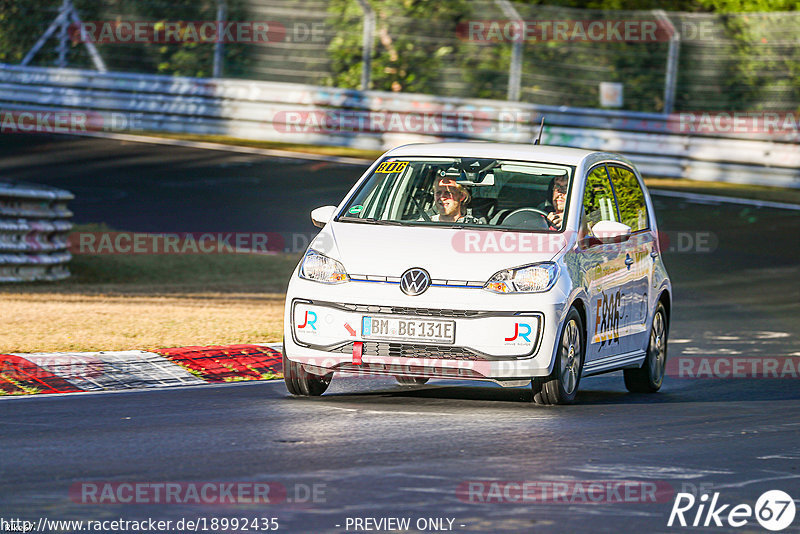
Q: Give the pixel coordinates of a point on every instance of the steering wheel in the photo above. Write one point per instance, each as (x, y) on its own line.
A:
(527, 218)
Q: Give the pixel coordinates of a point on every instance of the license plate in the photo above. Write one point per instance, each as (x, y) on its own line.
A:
(407, 329)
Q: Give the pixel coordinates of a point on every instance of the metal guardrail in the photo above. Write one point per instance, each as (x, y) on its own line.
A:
(33, 233)
(256, 110)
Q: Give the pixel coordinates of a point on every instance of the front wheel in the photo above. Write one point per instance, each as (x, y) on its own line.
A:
(302, 383)
(649, 377)
(561, 385)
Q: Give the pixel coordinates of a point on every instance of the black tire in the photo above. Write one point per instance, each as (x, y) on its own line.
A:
(411, 380)
(561, 385)
(302, 383)
(649, 377)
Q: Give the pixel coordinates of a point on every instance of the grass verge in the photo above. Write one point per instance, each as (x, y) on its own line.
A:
(122, 302)
(757, 192)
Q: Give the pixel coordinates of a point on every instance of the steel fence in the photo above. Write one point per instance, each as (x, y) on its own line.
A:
(455, 48)
(38, 99)
(33, 233)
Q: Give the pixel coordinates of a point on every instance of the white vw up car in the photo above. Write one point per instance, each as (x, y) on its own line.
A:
(511, 263)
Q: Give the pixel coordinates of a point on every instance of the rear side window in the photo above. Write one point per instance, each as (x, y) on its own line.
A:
(630, 198)
(598, 199)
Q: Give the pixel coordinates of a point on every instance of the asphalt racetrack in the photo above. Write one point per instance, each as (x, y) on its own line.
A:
(373, 449)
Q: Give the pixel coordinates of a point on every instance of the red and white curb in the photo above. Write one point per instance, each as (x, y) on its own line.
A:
(73, 372)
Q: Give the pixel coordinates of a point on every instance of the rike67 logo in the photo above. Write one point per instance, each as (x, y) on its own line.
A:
(774, 510)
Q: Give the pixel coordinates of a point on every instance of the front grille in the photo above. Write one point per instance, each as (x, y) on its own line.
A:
(417, 312)
(404, 350)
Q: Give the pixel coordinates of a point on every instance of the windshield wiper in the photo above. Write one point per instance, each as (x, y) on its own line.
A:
(370, 220)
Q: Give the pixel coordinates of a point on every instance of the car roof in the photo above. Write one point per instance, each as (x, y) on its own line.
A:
(525, 152)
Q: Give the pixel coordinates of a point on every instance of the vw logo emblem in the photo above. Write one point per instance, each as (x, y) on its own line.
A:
(415, 281)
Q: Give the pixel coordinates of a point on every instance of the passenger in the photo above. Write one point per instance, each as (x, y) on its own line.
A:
(554, 207)
(451, 200)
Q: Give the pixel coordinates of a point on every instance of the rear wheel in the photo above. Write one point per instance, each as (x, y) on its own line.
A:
(561, 385)
(649, 377)
(302, 383)
(411, 380)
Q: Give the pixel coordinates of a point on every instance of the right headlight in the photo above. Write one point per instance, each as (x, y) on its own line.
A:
(535, 278)
(321, 268)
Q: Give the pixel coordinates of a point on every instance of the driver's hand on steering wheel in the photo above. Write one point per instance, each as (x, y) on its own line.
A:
(555, 218)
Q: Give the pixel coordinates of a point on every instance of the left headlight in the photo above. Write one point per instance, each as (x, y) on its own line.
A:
(321, 268)
(535, 278)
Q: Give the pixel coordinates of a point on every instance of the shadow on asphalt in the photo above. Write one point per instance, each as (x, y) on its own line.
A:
(676, 392)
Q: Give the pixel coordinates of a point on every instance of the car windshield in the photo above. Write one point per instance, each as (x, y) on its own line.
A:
(474, 192)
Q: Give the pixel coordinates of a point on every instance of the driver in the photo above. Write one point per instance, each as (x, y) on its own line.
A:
(451, 199)
(554, 207)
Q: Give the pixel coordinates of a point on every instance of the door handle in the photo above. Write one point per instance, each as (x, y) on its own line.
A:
(654, 254)
(628, 261)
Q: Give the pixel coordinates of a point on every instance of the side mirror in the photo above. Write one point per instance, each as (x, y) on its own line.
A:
(611, 232)
(320, 216)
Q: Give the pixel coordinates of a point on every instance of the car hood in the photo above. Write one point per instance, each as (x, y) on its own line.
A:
(446, 253)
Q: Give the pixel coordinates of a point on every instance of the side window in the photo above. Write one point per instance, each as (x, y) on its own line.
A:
(630, 199)
(598, 199)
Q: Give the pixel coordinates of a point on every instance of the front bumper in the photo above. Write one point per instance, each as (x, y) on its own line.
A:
(497, 337)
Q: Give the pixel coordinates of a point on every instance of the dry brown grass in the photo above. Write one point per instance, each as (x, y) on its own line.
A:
(54, 322)
(758, 192)
(147, 302)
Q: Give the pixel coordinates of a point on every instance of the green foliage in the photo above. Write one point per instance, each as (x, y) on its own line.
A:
(486, 70)
(746, 6)
(404, 57)
(22, 22)
(752, 62)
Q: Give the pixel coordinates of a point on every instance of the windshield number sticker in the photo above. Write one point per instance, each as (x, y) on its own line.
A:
(356, 209)
(391, 166)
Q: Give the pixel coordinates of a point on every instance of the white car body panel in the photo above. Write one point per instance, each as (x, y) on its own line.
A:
(375, 256)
